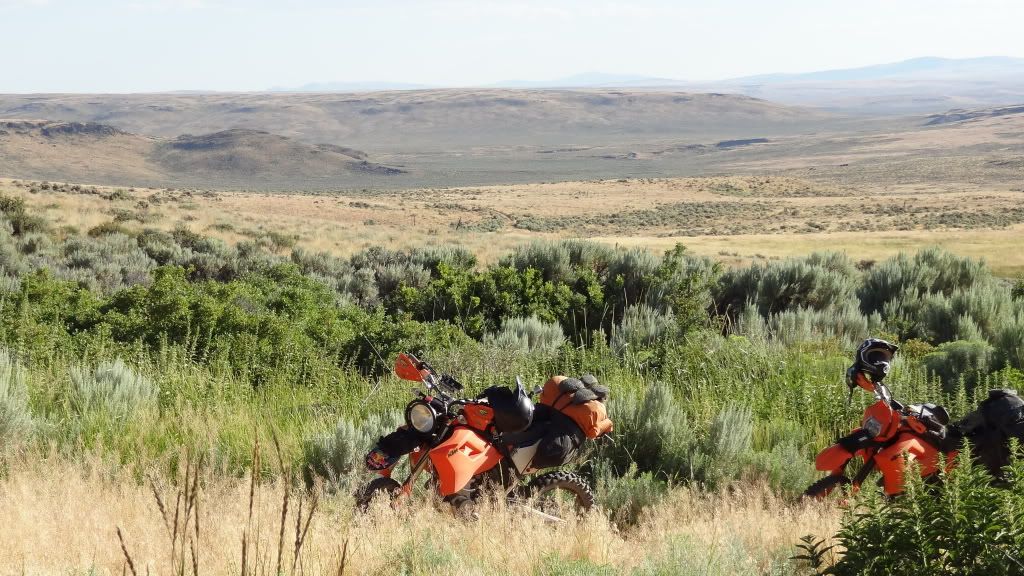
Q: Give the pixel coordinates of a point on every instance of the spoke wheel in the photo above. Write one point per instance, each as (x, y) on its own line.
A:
(822, 488)
(377, 488)
(560, 494)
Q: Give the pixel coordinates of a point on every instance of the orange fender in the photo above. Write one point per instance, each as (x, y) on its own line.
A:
(892, 461)
(833, 459)
(463, 455)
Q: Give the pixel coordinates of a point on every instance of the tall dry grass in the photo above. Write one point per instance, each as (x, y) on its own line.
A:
(58, 517)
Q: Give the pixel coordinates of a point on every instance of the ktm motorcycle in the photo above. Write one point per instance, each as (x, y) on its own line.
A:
(460, 445)
(891, 435)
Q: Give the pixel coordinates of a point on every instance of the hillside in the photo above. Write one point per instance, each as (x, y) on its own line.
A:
(443, 139)
(99, 153)
(431, 120)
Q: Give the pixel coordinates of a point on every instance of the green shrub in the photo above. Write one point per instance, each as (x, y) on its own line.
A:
(112, 388)
(15, 418)
(632, 275)
(728, 447)
(625, 497)
(652, 433)
(963, 525)
(528, 335)
(21, 221)
(1009, 342)
(846, 325)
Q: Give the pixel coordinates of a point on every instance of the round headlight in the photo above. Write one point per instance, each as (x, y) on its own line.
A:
(421, 417)
(872, 426)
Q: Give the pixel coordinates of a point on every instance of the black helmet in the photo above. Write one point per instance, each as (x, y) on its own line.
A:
(513, 409)
(874, 358)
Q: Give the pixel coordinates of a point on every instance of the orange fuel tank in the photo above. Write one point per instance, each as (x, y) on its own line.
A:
(892, 461)
(463, 455)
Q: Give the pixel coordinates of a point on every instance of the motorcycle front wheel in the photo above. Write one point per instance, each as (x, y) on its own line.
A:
(826, 486)
(559, 493)
(380, 486)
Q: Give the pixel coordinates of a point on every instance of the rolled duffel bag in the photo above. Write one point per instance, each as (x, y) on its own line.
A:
(581, 403)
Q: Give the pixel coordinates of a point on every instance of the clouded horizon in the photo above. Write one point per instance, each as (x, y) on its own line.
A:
(238, 45)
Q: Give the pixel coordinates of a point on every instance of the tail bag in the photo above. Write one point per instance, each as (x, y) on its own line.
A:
(999, 418)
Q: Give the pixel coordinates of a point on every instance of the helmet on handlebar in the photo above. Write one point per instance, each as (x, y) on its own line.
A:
(513, 409)
(873, 358)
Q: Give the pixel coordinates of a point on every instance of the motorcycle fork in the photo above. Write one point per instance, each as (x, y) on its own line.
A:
(862, 474)
(422, 462)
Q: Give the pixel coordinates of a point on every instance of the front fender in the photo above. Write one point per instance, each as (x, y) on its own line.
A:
(833, 459)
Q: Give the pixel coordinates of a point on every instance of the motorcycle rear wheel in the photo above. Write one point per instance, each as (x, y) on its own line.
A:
(826, 486)
(553, 492)
(381, 486)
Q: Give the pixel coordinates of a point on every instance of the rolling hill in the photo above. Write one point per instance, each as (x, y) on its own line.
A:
(103, 154)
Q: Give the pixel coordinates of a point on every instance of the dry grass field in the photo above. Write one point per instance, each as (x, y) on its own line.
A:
(735, 219)
(81, 507)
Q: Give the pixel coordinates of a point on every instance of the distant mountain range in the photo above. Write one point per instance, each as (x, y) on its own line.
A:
(926, 67)
(927, 84)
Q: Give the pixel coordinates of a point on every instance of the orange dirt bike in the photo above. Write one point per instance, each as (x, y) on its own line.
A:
(890, 436)
(463, 444)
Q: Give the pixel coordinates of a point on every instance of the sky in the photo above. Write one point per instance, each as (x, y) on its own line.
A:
(248, 45)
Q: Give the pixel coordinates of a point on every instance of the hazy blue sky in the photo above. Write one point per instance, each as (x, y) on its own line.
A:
(140, 45)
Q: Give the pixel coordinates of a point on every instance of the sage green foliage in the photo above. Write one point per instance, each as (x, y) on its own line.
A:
(642, 328)
(113, 388)
(528, 335)
(338, 456)
(626, 497)
(969, 360)
(821, 281)
(15, 419)
(662, 437)
(963, 526)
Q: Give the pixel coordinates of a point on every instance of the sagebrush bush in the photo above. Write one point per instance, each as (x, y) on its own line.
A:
(529, 334)
(961, 359)
(1009, 342)
(641, 328)
(821, 281)
(112, 388)
(632, 274)
(336, 456)
(929, 271)
(15, 418)
(728, 447)
(653, 433)
(846, 325)
(551, 259)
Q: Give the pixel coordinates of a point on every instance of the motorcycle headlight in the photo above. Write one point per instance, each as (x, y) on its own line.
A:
(421, 417)
(872, 426)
